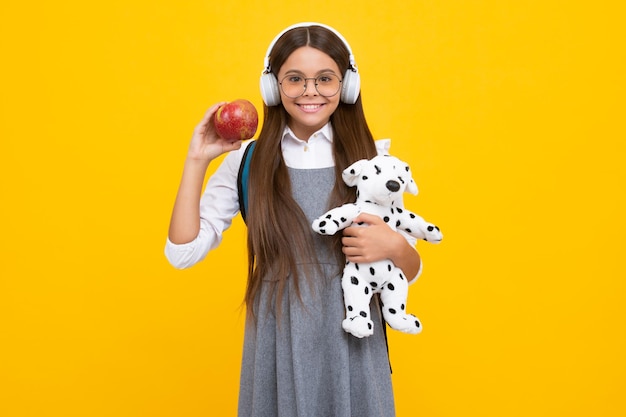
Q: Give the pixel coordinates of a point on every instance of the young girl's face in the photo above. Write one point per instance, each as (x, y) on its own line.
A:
(311, 111)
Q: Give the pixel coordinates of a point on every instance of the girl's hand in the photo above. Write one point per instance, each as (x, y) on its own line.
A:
(206, 144)
(372, 243)
(378, 241)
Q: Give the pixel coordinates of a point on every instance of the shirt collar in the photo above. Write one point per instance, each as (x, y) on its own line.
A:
(326, 132)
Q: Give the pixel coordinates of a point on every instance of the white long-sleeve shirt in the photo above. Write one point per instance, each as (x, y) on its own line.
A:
(220, 201)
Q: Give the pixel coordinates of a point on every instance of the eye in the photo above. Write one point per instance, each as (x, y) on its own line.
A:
(401, 180)
(378, 170)
(295, 79)
(325, 79)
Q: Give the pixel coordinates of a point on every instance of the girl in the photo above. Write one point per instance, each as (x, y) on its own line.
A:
(297, 360)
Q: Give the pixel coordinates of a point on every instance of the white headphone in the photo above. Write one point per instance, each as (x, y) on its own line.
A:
(350, 86)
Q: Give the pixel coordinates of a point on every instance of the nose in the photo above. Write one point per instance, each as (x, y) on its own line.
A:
(393, 185)
(310, 82)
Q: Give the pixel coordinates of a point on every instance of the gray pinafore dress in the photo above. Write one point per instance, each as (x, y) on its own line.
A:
(305, 365)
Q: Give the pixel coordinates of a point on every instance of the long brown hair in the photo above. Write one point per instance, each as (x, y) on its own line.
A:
(278, 231)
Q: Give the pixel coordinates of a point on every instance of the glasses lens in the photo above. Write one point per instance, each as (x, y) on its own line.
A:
(294, 86)
(327, 85)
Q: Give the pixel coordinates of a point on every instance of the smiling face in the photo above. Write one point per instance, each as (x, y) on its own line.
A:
(311, 111)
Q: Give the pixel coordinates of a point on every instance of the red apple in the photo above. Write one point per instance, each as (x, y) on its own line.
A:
(236, 120)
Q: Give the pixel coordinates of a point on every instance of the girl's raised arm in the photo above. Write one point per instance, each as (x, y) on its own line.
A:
(205, 146)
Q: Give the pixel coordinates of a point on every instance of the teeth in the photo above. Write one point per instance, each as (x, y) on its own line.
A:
(310, 106)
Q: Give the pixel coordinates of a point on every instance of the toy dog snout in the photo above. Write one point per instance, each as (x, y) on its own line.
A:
(393, 185)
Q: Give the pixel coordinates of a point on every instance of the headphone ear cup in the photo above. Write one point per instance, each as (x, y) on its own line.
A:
(269, 89)
(351, 87)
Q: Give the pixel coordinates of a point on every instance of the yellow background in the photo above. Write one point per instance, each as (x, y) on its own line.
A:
(510, 112)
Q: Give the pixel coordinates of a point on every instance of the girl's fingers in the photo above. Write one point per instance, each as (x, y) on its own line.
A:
(212, 110)
(205, 123)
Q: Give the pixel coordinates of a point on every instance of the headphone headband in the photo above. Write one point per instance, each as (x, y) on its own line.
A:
(266, 61)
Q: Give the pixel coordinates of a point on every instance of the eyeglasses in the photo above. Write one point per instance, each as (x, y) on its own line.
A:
(294, 85)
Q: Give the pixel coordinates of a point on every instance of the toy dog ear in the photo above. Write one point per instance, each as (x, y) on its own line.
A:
(412, 187)
(351, 174)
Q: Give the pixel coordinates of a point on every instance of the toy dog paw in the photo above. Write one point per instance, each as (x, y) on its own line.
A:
(325, 225)
(432, 233)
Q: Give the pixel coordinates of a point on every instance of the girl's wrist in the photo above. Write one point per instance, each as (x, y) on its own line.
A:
(195, 168)
(400, 247)
(197, 164)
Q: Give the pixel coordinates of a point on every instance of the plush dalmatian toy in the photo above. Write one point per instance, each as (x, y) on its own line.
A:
(380, 183)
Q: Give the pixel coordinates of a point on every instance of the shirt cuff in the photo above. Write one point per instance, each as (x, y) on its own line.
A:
(182, 255)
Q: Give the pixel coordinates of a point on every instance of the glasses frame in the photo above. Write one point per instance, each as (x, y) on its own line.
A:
(315, 83)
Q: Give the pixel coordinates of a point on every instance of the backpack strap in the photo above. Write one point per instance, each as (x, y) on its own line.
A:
(242, 180)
